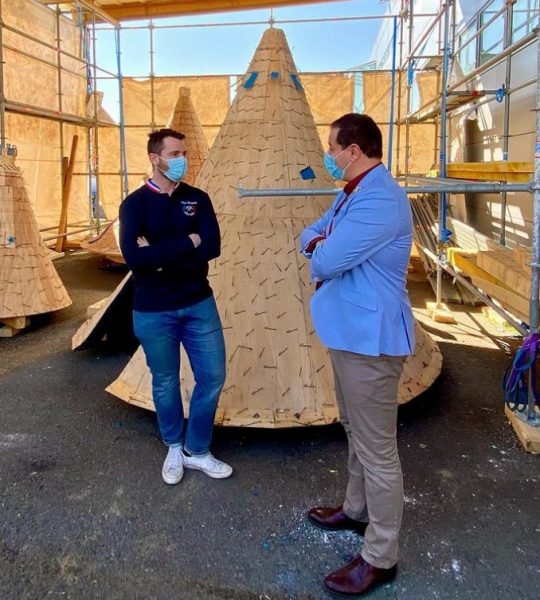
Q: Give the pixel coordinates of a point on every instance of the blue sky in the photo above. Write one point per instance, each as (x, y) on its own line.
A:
(329, 46)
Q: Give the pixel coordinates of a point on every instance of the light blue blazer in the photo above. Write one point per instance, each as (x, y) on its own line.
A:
(362, 305)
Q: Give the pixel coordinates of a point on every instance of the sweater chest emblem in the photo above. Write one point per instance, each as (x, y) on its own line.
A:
(189, 207)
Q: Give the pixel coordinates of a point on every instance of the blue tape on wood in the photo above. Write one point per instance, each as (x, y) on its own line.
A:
(251, 80)
(307, 173)
(274, 75)
(296, 81)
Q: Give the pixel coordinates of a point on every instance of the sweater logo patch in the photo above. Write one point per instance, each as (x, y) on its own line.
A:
(189, 207)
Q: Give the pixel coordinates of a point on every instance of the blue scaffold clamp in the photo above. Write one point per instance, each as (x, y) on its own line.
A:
(500, 94)
(516, 376)
(446, 234)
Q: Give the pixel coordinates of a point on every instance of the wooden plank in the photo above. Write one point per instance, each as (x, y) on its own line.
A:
(502, 266)
(514, 303)
(528, 435)
(440, 313)
(16, 322)
(94, 308)
(66, 191)
(510, 172)
(55, 255)
(522, 256)
(466, 262)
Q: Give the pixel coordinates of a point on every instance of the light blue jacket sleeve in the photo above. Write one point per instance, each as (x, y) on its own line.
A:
(316, 229)
(370, 223)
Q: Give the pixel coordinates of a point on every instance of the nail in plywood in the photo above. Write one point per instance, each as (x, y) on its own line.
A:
(278, 373)
(29, 283)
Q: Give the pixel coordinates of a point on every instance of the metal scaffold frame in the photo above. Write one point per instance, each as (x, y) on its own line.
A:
(87, 14)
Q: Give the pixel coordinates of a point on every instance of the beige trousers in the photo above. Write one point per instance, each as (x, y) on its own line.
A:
(366, 392)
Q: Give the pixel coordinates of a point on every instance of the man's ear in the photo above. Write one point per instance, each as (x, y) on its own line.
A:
(154, 159)
(356, 152)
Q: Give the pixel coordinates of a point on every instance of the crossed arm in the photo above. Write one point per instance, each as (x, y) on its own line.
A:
(198, 247)
(368, 225)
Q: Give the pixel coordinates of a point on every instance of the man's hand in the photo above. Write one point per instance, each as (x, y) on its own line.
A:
(142, 242)
(195, 238)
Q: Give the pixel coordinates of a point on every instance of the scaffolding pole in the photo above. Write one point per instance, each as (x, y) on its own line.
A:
(95, 129)
(532, 417)
(392, 95)
(509, 5)
(443, 233)
(2, 96)
(123, 162)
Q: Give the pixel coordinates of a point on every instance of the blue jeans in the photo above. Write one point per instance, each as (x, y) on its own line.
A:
(198, 328)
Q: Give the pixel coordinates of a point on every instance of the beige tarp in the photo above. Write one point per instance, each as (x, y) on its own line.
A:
(34, 82)
(377, 94)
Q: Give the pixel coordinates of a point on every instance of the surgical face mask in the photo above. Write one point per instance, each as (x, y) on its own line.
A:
(331, 166)
(176, 168)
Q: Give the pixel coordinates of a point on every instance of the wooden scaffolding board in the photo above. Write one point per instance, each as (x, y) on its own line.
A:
(278, 373)
(29, 283)
(510, 172)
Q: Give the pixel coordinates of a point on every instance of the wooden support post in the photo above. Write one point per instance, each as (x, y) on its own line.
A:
(66, 190)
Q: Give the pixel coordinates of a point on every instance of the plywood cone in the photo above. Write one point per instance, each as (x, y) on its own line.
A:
(184, 119)
(278, 373)
(29, 283)
(107, 243)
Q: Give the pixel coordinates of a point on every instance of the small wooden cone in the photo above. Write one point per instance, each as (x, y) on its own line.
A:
(29, 283)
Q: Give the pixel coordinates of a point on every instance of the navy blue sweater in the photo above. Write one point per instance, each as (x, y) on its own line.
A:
(170, 273)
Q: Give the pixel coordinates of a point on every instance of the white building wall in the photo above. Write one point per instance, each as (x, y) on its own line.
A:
(476, 135)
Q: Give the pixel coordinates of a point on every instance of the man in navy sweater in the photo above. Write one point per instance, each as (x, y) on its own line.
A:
(168, 233)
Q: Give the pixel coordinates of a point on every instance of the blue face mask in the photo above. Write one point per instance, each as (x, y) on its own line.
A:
(176, 168)
(332, 168)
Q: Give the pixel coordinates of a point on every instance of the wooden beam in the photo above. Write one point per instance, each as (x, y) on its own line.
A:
(510, 172)
(66, 191)
(172, 8)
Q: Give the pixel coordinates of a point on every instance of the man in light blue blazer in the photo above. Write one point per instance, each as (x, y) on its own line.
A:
(359, 251)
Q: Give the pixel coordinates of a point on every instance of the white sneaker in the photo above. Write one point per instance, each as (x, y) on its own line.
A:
(208, 464)
(173, 467)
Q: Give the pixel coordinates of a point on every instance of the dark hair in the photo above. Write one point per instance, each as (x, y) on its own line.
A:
(155, 139)
(361, 130)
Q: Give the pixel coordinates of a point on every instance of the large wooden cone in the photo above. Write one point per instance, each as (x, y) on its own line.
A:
(185, 120)
(278, 373)
(29, 283)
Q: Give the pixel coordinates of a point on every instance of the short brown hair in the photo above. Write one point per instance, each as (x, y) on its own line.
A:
(354, 128)
(155, 139)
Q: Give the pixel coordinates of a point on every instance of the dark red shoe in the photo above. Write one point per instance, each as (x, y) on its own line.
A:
(357, 578)
(335, 519)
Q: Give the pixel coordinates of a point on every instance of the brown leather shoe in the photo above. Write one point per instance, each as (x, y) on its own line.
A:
(335, 519)
(357, 578)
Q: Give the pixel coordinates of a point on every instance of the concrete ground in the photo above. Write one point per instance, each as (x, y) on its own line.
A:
(84, 513)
